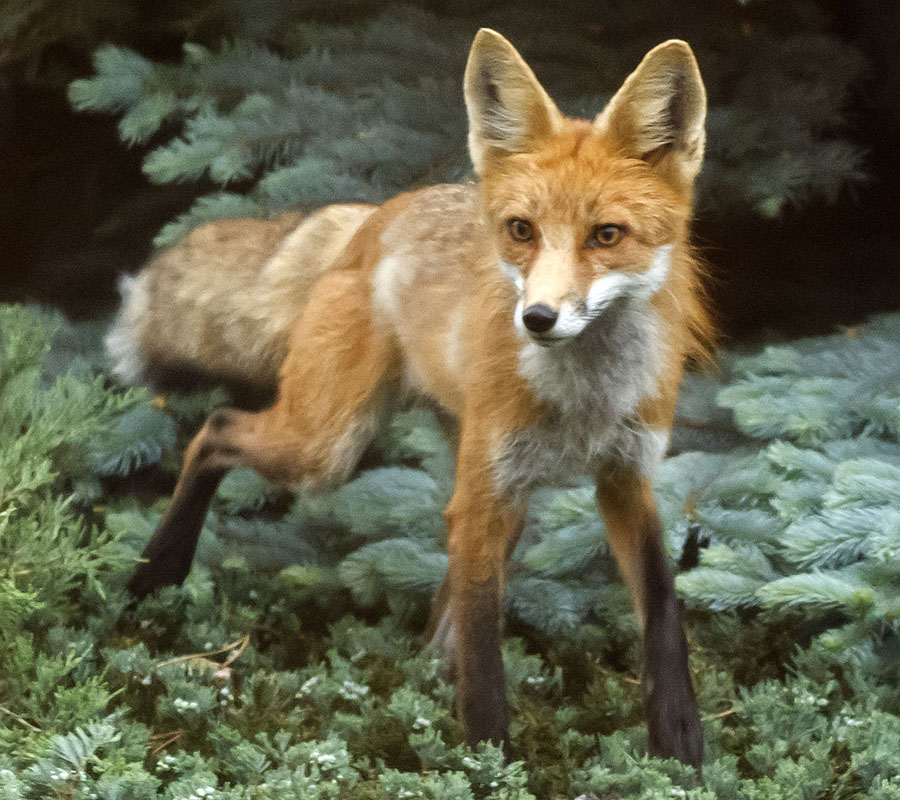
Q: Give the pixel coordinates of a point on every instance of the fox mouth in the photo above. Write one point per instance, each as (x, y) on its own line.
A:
(548, 340)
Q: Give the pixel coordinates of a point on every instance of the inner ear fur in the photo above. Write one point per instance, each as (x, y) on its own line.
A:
(659, 114)
(508, 109)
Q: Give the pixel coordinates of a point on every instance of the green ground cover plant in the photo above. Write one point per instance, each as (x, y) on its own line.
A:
(290, 663)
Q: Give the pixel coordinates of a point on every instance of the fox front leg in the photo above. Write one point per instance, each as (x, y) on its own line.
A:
(635, 537)
(480, 527)
(440, 631)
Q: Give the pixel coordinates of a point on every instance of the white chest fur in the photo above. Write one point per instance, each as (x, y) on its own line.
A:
(590, 389)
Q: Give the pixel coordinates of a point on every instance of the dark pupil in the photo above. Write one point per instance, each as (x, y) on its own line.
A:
(607, 234)
(520, 228)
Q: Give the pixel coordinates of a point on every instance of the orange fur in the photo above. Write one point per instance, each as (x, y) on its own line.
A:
(416, 302)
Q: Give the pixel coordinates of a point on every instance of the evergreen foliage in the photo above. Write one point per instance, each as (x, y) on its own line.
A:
(252, 682)
(329, 113)
(809, 522)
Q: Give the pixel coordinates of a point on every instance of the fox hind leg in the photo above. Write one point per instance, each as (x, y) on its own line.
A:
(333, 390)
(170, 551)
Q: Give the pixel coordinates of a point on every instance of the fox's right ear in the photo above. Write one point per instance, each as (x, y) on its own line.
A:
(508, 109)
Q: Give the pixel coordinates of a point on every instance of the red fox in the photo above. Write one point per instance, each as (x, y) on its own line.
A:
(548, 307)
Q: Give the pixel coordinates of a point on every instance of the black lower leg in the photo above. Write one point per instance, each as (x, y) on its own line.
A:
(673, 720)
(170, 551)
(440, 630)
(480, 679)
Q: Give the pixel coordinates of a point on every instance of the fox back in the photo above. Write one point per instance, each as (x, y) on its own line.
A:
(218, 307)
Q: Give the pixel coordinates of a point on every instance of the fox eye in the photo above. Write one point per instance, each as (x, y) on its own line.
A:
(605, 236)
(521, 230)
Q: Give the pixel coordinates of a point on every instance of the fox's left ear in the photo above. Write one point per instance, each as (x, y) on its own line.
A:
(508, 109)
(659, 114)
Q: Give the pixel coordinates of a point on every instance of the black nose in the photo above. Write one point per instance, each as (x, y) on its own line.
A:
(539, 318)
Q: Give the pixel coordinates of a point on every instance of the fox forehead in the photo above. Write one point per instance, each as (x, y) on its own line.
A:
(577, 178)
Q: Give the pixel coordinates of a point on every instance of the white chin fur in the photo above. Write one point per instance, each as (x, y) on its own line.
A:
(549, 341)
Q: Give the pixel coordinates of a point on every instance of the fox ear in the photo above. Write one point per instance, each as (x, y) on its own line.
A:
(507, 107)
(659, 114)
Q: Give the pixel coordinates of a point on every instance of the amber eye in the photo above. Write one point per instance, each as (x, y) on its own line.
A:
(605, 236)
(521, 230)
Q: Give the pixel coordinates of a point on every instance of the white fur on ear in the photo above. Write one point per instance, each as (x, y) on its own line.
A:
(659, 114)
(508, 109)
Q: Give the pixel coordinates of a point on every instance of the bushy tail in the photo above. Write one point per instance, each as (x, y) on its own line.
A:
(121, 343)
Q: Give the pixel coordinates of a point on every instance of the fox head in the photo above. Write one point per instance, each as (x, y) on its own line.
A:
(584, 213)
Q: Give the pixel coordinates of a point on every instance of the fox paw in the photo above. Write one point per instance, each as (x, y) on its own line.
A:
(674, 723)
(152, 575)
